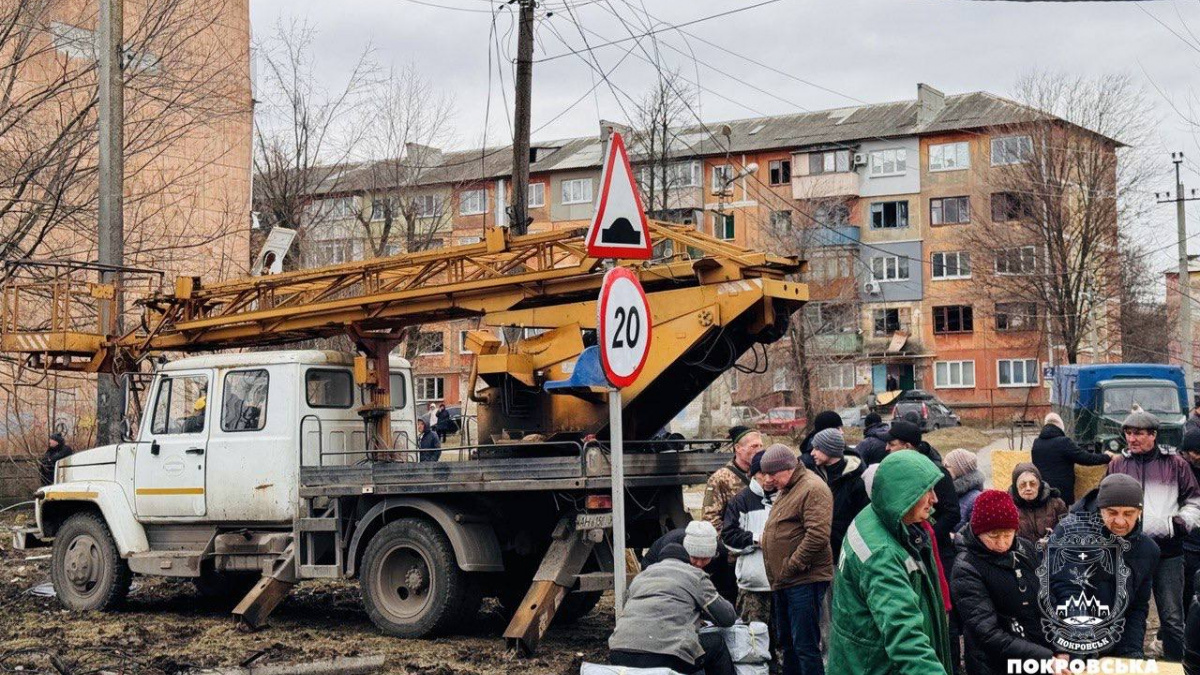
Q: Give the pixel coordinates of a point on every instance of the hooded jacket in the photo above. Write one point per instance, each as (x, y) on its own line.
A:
(722, 486)
(52, 456)
(795, 541)
(1171, 496)
(745, 520)
(849, 493)
(873, 447)
(888, 616)
(997, 599)
(1056, 455)
(666, 601)
(1142, 560)
(967, 487)
(1040, 515)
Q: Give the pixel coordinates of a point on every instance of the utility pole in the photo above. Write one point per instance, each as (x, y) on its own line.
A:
(1184, 283)
(519, 209)
(110, 389)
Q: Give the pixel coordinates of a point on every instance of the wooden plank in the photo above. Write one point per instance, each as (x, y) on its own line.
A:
(252, 612)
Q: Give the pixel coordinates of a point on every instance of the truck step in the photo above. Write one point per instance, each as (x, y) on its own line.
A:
(317, 525)
(320, 572)
(167, 563)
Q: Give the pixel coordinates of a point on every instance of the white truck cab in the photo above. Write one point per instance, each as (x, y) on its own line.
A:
(220, 447)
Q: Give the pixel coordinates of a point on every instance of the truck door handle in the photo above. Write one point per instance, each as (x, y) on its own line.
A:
(154, 448)
(195, 451)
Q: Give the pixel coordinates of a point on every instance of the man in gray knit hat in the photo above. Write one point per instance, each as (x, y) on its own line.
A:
(842, 471)
(1171, 509)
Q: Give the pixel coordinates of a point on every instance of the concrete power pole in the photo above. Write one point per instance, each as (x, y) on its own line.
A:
(110, 389)
(1184, 283)
(519, 210)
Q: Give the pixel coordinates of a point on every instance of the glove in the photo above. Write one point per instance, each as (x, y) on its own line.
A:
(1178, 527)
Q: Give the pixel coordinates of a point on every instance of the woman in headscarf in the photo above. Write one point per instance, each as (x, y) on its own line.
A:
(826, 419)
(1040, 505)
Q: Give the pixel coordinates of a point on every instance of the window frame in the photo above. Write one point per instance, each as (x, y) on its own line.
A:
(479, 194)
(1031, 317)
(262, 418)
(1003, 253)
(827, 381)
(349, 378)
(421, 344)
(462, 341)
(948, 383)
(1019, 157)
(937, 210)
(899, 157)
(898, 259)
(720, 186)
(417, 388)
(876, 319)
(1024, 371)
(839, 157)
(776, 170)
(942, 316)
(166, 431)
(565, 187)
(962, 260)
(728, 231)
(956, 145)
(778, 223)
(541, 190)
(883, 214)
(426, 206)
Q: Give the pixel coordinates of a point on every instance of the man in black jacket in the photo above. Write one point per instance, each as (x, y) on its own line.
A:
(842, 471)
(1190, 450)
(56, 449)
(873, 447)
(1056, 455)
(1117, 503)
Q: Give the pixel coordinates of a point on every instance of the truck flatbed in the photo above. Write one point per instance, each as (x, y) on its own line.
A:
(507, 475)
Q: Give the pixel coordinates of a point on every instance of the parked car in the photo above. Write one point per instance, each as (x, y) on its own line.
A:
(746, 415)
(783, 421)
(933, 413)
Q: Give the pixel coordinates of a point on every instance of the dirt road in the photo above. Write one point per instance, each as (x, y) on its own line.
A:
(166, 628)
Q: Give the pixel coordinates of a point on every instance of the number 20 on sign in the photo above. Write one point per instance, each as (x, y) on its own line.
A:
(624, 327)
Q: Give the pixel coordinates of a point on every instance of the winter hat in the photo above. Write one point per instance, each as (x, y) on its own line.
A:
(831, 442)
(674, 552)
(700, 541)
(1026, 467)
(1140, 420)
(57, 437)
(1119, 489)
(994, 510)
(1053, 418)
(871, 420)
(826, 419)
(756, 462)
(778, 457)
(738, 432)
(903, 430)
(1191, 442)
(960, 462)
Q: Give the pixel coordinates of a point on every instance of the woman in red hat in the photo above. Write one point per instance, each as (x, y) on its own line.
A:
(995, 589)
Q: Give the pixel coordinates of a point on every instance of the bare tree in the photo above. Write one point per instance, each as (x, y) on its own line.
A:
(403, 128)
(1142, 312)
(1064, 186)
(304, 136)
(655, 143)
(178, 86)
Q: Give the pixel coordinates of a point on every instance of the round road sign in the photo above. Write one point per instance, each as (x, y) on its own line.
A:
(624, 327)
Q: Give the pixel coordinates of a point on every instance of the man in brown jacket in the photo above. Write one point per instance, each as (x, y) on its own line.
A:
(798, 557)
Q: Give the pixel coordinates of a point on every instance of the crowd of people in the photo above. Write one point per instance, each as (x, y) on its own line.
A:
(888, 558)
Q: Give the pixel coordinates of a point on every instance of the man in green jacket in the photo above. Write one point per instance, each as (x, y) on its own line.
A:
(888, 615)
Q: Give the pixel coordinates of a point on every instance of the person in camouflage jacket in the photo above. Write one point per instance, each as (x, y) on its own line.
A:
(729, 480)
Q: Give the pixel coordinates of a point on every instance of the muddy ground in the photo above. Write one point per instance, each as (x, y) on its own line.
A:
(166, 628)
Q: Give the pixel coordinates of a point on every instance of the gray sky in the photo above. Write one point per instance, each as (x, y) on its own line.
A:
(854, 50)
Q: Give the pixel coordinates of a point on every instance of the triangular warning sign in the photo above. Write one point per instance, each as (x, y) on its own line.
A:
(619, 229)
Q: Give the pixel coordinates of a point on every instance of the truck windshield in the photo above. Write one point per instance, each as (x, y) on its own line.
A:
(1121, 400)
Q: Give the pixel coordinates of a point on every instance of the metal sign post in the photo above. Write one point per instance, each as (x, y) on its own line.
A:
(617, 459)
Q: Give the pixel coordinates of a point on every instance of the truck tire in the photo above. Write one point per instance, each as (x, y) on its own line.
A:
(411, 584)
(86, 568)
(576, 606)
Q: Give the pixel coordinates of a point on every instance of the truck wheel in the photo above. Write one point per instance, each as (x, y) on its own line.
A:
(411, 583)
(87, 570)
(576, 606)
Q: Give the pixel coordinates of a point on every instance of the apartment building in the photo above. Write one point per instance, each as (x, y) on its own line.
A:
(891, 205)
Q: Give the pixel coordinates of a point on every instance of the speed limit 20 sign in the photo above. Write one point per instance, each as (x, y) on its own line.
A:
(624, 327)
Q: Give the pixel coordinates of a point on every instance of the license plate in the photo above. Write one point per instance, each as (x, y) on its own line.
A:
(593, 521)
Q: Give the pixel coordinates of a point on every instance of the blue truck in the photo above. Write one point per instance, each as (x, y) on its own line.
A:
(1093, 400)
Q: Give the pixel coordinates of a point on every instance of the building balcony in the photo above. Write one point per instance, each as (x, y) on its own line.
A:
(834, 235)
(838, 343)
(825, 185)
